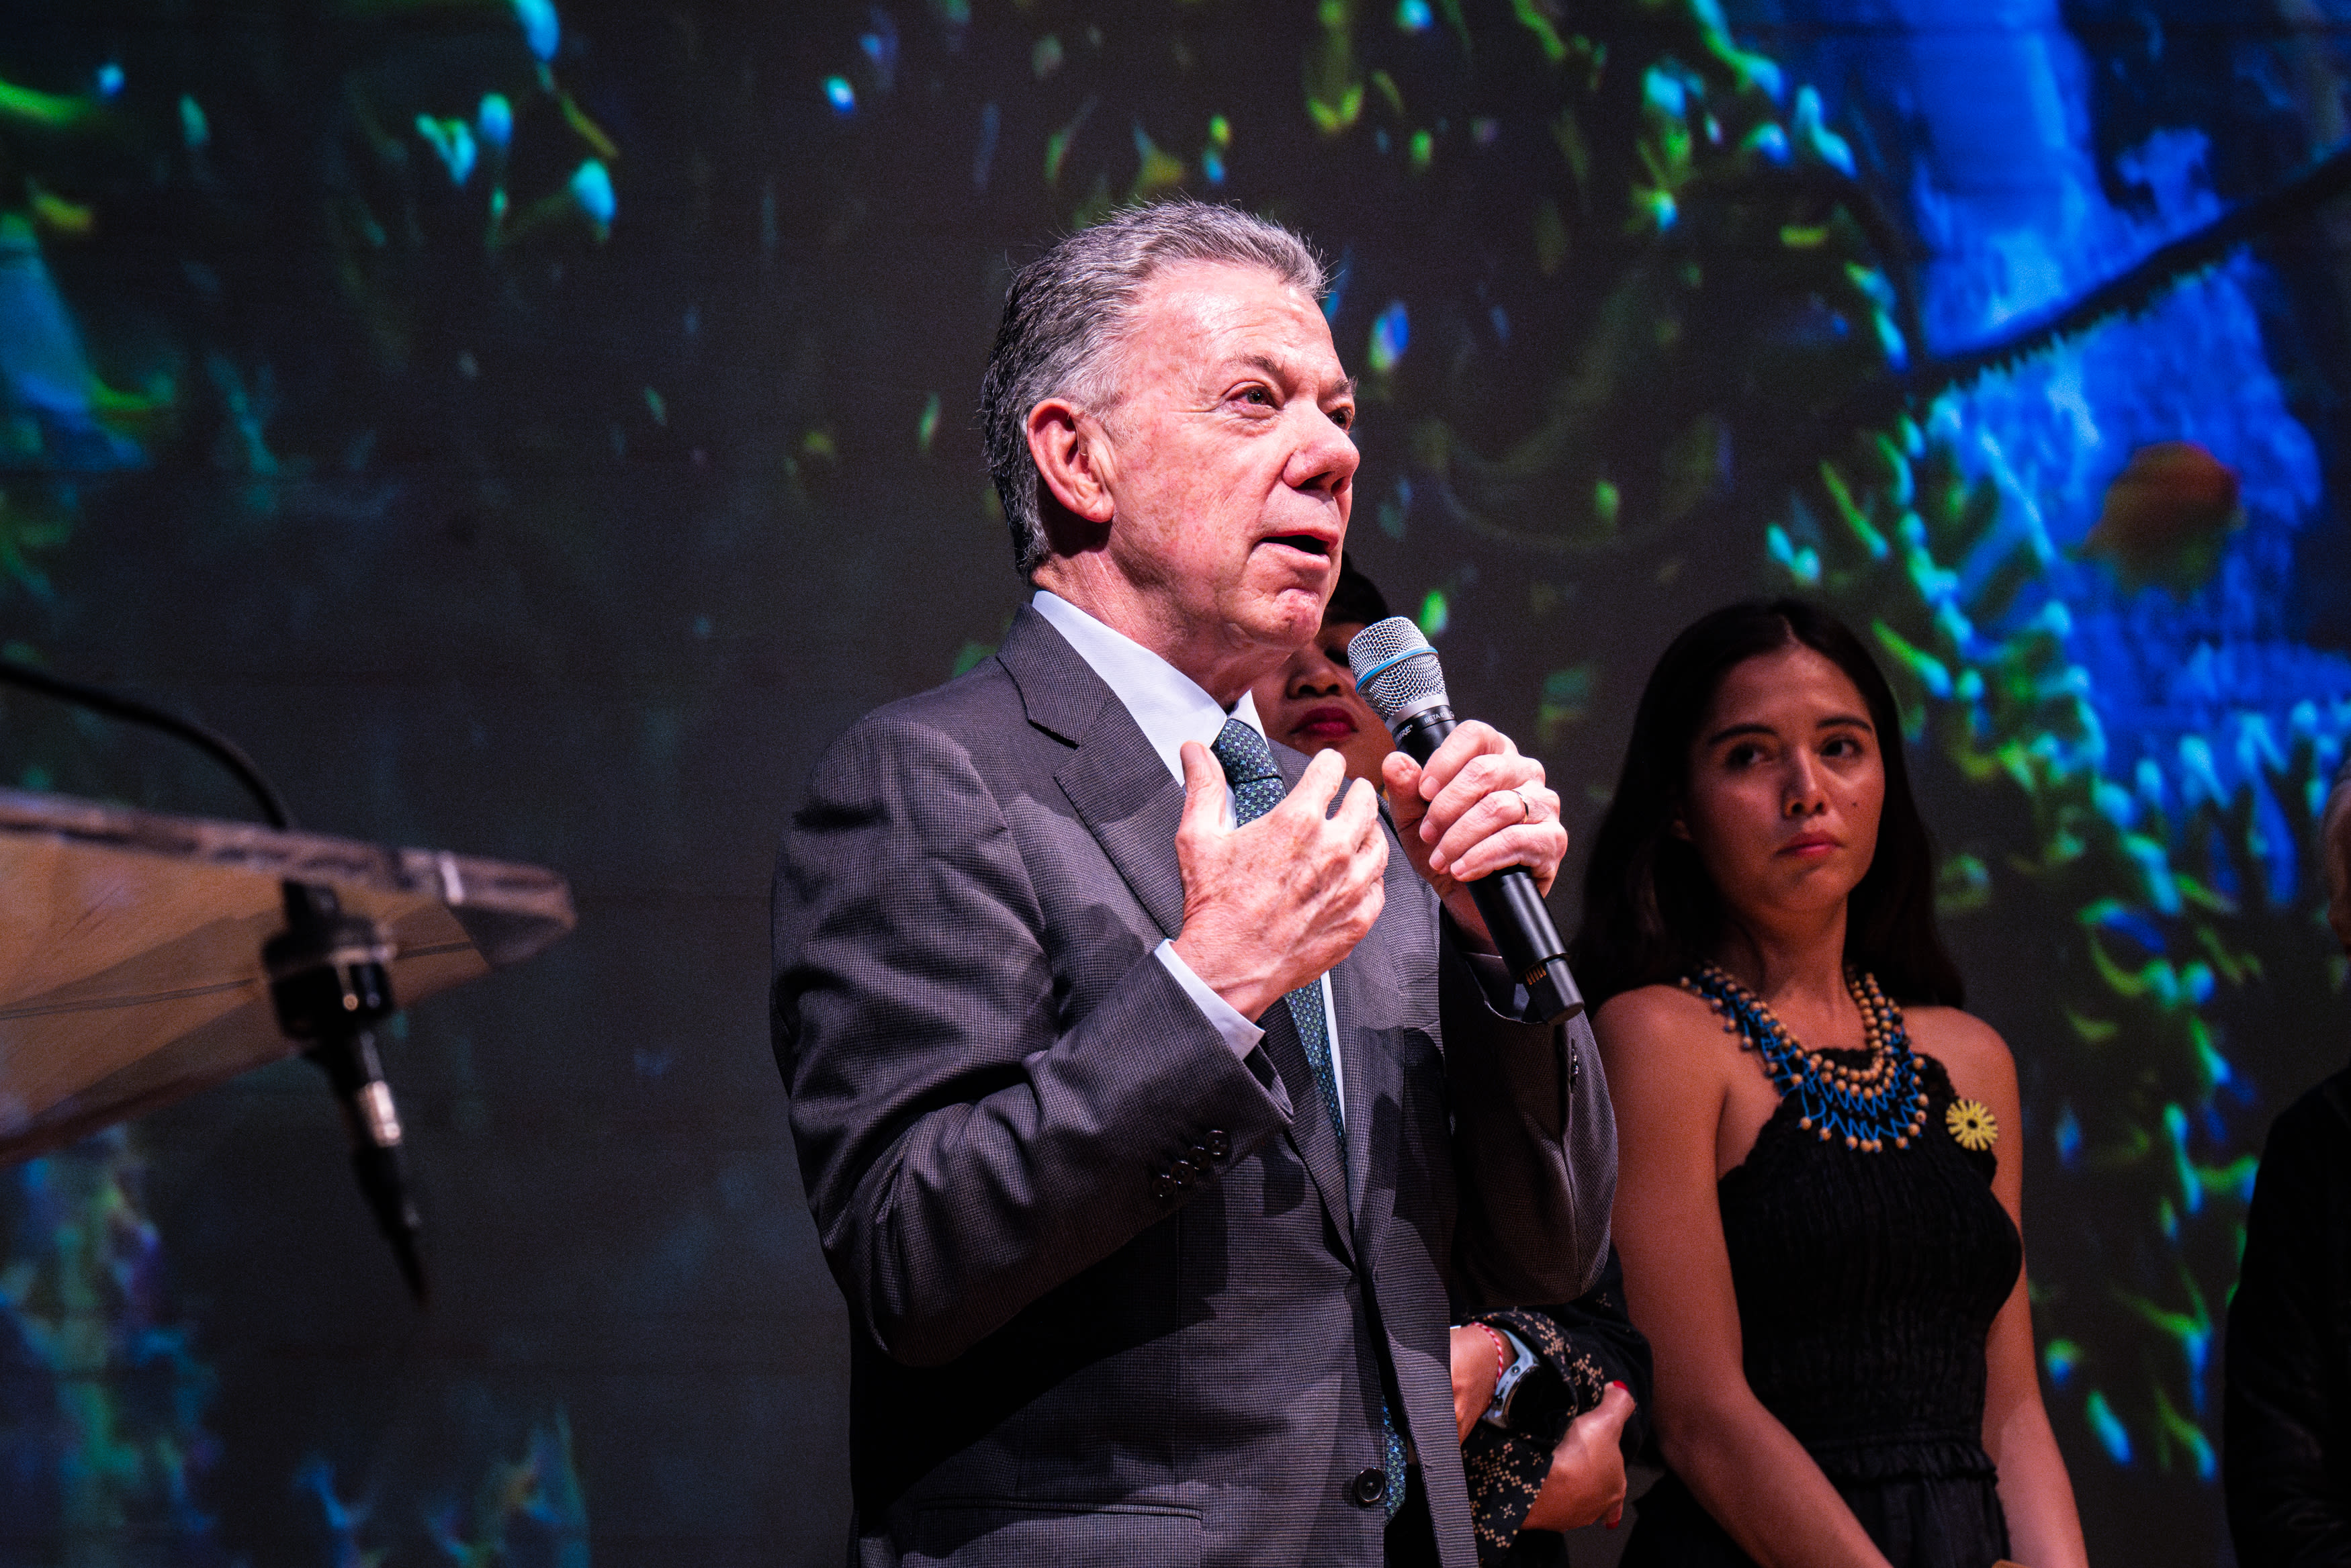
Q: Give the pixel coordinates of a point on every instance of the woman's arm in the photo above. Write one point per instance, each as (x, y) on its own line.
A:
(2035, 1492)
(1669, 1069)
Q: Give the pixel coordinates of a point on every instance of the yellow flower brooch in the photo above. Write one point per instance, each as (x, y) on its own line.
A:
(1972, 1125)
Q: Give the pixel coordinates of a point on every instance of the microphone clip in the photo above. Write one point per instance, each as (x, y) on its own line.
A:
(331, 982)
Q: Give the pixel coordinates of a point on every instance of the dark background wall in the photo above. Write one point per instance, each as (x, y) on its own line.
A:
(566, 526)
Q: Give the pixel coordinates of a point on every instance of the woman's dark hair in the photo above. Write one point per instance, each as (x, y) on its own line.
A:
(1650, 910)
(1355, 599)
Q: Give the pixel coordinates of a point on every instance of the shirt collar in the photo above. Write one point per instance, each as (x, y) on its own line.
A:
(1169, 706)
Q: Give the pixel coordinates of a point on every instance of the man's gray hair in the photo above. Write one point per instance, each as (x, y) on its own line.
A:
(1067, 314)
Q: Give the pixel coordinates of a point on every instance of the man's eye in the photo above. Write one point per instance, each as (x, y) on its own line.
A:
(1260, 396)
(1343, 417)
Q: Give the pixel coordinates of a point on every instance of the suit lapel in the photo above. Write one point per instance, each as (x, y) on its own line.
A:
(1114, 780)
(1123, 793)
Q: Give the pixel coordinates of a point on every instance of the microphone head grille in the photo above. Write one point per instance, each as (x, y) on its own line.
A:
(1396, 669)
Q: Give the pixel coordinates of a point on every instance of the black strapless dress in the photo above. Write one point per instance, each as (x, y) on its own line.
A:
(1866, 1285)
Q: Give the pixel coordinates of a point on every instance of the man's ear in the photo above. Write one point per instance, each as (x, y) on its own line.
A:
(1072, 457)
(1677, 827)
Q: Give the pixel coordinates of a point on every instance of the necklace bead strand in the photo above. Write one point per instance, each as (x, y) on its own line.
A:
(1866, 1105)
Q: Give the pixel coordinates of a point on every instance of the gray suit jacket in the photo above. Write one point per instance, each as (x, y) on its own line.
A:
(1113, 1298)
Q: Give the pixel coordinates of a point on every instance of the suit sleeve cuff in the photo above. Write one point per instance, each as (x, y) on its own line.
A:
(1239, 1034)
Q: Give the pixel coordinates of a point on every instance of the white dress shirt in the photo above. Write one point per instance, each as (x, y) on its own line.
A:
(1171, 708)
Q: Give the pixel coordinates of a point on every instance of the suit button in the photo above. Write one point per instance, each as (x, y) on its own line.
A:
(1368, 1487)
(1220, 1143)
(1185, 1172)
(1162, 1187)
(1201, 1157)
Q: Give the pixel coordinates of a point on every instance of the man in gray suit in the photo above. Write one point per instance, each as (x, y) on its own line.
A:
(1156, 1113)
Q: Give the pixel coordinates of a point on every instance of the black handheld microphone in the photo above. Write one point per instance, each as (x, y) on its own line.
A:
(1397, 673)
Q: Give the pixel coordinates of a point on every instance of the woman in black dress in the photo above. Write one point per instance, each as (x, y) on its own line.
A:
(1819, 1196)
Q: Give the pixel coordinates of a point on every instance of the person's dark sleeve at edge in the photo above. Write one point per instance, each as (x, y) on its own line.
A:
(2286, 1464)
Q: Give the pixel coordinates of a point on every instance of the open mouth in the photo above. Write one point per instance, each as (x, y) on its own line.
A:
(1305, 543)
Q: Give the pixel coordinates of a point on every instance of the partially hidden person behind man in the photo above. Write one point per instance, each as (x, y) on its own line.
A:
(1822, 1192)
(2285, 1447)
(1546, 1399)
(1148, 1125)
(1310, 702)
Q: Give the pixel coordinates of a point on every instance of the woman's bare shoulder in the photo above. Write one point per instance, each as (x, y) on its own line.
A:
(1657, 1024)
(1653, 1006)
(1971, 1050)
(1671, 1070)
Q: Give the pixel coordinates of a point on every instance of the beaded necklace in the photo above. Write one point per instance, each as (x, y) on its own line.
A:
(1865, 1105)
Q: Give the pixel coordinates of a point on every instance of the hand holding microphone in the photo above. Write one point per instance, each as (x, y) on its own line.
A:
(1475, 816)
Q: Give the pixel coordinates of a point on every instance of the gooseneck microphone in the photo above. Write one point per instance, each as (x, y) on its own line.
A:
(1397, 673)
(329, 977)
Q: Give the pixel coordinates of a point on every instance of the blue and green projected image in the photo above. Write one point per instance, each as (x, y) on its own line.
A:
(535, 428)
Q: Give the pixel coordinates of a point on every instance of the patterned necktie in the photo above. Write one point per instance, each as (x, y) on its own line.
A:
(1257, 788)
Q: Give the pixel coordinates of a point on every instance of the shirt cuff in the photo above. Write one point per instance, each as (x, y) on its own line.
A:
(1239, 1034)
